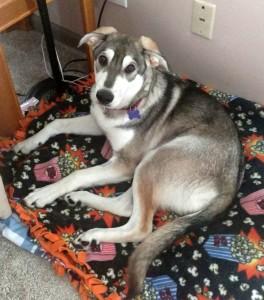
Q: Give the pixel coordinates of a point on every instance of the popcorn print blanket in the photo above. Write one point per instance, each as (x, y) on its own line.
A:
(224, 260)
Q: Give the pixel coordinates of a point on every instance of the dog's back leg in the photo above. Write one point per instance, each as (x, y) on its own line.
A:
(140, 223)
(120, 205)
(195, 189)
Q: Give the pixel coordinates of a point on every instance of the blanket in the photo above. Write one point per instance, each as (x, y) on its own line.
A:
(224, 260)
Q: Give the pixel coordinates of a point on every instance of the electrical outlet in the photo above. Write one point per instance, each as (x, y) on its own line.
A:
(120, 2)
(203, 18)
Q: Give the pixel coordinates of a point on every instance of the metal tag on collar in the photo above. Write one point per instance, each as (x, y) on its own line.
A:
(133, 113)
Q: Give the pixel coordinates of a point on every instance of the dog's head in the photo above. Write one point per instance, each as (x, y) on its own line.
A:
(121, 65)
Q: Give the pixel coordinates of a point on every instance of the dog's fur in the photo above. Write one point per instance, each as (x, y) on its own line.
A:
(182, 150)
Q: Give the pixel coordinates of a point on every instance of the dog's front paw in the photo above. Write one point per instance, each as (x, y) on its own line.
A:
(73, 198)
(43, 196)
(27, 145)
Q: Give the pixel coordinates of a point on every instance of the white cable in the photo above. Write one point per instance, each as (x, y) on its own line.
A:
(73, 81)
(58, 59)
(43, 55)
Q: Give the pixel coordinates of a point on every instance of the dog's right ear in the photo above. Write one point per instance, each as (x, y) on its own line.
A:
(94, 38)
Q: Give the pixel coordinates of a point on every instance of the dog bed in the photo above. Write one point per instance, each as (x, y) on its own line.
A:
(224, 260)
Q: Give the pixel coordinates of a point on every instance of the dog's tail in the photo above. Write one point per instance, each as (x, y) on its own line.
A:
(164, 236)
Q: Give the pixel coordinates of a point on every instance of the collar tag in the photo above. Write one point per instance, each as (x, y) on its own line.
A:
(133, 113)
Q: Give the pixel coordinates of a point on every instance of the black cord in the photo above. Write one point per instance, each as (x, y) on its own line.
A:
(74, 71)
(83, 59)
(72, 61)
(101, 14)
(20, 95)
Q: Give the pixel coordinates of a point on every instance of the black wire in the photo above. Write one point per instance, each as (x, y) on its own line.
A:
(101, 14)
(20, 95)
(83, 59)
(74, 70)
(72, 61)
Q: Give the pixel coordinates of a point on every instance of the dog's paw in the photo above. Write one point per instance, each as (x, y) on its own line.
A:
(73, 198)
(43, 196)
(90, 237)
(27, 145)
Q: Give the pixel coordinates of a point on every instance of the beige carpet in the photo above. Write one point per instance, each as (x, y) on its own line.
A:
(25, 60)
(23, 275)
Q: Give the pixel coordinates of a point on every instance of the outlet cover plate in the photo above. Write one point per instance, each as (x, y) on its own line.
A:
(203, 18)
(120, 2)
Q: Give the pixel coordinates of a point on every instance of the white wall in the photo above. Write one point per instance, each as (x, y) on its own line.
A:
(66, 13)
(233, 61)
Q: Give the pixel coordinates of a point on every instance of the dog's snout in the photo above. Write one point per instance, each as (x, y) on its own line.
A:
(104, 96)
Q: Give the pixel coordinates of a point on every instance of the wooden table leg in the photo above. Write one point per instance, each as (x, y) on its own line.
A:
(88, 13)
(5, 209)
(10, 112)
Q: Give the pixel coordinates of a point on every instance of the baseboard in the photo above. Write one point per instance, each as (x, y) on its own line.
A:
(61, 34)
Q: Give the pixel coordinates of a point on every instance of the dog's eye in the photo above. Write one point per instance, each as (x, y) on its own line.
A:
(130, 68)
(103, 60)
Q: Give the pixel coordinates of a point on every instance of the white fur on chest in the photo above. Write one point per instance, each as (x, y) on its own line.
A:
(118, 137)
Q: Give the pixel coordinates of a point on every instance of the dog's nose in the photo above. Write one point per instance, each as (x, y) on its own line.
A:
(104, 96)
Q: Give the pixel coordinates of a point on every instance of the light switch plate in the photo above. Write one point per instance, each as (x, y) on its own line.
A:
(120, 2)
(203, 18)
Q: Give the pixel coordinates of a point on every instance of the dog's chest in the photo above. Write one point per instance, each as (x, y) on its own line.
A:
(118, 137)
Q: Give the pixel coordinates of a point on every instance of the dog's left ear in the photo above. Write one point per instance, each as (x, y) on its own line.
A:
(94, 38)
(152, 50)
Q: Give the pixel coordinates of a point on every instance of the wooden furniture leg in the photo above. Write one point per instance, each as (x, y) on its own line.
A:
(13, 11)
(5, 209)
(88, 13)
(10, 112)
(24, 24)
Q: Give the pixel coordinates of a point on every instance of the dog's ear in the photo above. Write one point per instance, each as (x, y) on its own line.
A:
(152, 50)
(94, 38)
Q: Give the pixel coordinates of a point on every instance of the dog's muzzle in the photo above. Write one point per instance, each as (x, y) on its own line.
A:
(104, 96)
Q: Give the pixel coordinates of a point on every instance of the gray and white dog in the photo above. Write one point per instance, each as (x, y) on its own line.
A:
(175, 141)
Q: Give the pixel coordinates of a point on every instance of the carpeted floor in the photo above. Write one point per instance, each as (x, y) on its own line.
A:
(25, 60)
(23, 275)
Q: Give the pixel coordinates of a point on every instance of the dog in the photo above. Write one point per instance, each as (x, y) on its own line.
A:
(176, 142)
